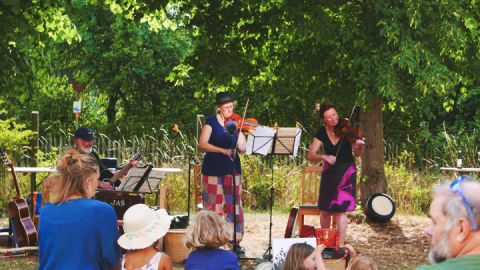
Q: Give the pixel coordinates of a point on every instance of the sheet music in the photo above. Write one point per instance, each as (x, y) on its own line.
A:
(151, 184)
(261, 141)
(131, 180)
(288, 141)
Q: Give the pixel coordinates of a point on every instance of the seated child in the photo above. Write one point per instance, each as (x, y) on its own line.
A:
(143, 228)
(305, 257)
(205, 236)
(300, 256)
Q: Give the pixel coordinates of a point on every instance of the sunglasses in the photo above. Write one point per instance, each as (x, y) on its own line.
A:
(455, 187)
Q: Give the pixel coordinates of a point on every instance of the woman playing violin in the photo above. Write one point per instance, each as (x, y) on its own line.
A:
(338, 181)
(221, 161)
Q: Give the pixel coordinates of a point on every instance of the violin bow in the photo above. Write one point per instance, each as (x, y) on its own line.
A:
(244, 113)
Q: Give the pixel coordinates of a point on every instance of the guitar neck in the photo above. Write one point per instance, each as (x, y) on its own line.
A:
(15, 181)
(119, 174)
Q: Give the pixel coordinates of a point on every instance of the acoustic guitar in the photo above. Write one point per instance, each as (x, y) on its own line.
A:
(24, 231)
(291, 222)
(119, 174)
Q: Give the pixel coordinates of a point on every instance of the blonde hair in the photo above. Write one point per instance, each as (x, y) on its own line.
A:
(296, 256)
(50, 188)
(208, 230)
(362, 263)
(74, 168)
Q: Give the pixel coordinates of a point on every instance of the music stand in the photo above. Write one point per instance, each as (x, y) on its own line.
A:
(150, 185)
(135, 179)
(268, 142)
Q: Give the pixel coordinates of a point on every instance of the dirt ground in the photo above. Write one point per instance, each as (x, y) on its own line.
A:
(399, 244)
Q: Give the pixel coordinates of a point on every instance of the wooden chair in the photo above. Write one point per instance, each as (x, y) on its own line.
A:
(309, 191)
(197, 186)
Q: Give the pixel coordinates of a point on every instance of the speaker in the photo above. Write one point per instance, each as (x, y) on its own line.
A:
(380, 207)
(109, 162)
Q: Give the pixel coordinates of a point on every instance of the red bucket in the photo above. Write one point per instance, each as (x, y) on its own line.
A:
(328, 237)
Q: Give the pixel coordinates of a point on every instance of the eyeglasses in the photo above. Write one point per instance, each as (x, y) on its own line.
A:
(225, 107)
(456, 188)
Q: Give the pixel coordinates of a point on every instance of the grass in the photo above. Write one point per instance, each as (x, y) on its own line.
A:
(20, 263)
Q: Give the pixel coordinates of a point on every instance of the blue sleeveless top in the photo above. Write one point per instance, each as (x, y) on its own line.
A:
(217, 164)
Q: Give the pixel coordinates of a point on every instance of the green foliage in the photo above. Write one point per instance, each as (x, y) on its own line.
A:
(123, 60)
(13, 135)
(258, 179)
(13, 138)
(411, 191)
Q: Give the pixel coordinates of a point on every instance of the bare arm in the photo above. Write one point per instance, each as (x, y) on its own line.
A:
(242, 143)
(318, 257)
(313, 155)
(165, 263)
(358, 147)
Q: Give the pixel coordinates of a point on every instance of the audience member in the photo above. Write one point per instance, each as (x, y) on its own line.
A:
(207, 233)
(77, 232)
(302, 256)
(455, 235)
(143, 228)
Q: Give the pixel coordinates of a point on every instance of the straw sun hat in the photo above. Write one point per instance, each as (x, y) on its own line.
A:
(143, 226)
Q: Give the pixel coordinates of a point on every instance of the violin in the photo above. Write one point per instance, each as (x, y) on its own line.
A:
(345, 130)
(247, 125)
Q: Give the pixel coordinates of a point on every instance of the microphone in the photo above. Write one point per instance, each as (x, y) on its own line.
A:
(231, 127)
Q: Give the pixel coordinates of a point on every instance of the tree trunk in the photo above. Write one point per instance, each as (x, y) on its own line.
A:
(112, 106)
(373, 172)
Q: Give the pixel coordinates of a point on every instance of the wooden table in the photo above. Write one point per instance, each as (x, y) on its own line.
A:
(34, 169)
(460, 171)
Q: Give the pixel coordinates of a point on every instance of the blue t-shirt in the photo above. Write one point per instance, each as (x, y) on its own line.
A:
(212, 259)
(217, 164)
(78, 234)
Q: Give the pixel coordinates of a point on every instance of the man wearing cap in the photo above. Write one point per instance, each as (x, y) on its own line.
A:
(221, 143)
(83, 139)
(455, 234)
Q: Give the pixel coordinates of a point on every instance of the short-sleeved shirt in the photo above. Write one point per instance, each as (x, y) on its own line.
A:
(467, 262)
(218, 164)
(344, 155)
(78, 234)
(212, 259)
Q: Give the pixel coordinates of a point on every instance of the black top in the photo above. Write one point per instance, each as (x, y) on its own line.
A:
(344, 155)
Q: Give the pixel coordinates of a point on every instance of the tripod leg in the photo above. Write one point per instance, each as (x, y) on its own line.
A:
(268, 253)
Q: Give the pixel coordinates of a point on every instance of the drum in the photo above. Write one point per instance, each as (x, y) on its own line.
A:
(380, 207)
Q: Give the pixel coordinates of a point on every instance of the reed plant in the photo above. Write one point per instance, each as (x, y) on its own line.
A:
(412, 166)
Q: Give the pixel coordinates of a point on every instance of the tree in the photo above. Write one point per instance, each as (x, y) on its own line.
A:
(381, 54)
(124, 58)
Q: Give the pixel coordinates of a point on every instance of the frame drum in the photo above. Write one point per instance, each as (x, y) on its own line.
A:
(380, 207)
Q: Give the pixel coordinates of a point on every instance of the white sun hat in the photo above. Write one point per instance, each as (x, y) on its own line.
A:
(143, 226)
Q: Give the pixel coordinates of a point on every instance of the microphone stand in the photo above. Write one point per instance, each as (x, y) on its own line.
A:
(190, 159)
(235, 247)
